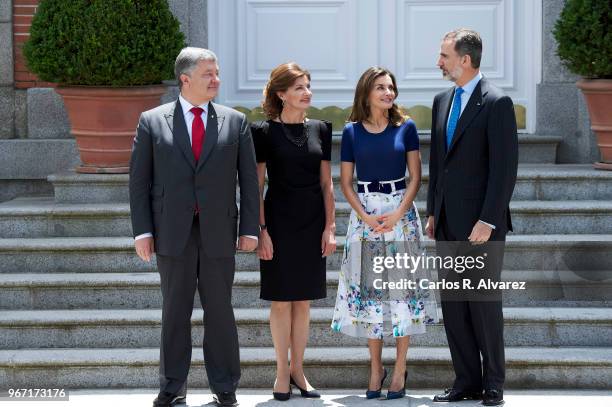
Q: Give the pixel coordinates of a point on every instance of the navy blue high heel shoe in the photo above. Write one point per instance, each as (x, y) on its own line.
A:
(374, 394)
(392, 395)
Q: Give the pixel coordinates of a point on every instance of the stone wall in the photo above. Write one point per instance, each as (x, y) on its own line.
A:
(22, 13)
(561, 109)
(7, 92)
(193, 17)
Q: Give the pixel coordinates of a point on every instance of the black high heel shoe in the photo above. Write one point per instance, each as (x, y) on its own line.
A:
(392, 395)
(281, 396)
(374, 394)
(312, 394)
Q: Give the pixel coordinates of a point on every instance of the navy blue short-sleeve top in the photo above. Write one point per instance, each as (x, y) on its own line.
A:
(379, 156)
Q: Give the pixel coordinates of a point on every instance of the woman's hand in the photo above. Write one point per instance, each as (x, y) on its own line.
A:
(371, 221)
(388, 221)
(265, 250)
(328, 242)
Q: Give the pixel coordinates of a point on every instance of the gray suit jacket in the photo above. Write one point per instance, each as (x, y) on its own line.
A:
(166, 182)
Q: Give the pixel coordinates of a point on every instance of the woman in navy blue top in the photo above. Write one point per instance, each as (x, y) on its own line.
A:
(380, 143)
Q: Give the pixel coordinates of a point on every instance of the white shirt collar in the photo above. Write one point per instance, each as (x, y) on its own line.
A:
(186, 106)
(469, 87)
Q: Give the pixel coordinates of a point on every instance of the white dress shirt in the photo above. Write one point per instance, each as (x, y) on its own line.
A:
(468, 89)
(189, 116)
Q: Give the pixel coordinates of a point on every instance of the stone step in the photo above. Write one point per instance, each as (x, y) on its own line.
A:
(42, 217)
(333, 367)
(541, 182)
(107, 328)
(262, 397)
(548, 182)
(70, 187)
(39, 291)
(116, 254)
(533, 148)
(18, 176)
(26, 163)
(532, 217)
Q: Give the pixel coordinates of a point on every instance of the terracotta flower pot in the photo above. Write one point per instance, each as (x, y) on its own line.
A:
(598, 96)
(103, 122)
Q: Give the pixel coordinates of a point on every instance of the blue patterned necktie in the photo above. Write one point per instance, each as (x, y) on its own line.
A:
(454, 117)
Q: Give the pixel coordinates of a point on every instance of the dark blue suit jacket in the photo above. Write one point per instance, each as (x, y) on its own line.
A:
(475, 178)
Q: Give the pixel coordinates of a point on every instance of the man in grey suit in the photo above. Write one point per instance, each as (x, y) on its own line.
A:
(186, 158)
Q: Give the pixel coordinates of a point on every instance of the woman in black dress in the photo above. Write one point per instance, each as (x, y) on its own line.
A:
(297, 217)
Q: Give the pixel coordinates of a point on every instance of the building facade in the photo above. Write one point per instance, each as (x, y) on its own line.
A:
(336, 40)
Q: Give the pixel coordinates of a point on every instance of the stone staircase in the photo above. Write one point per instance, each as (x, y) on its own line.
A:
(79, 310)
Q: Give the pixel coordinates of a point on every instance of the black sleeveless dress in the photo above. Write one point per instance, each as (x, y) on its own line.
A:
(293, 207)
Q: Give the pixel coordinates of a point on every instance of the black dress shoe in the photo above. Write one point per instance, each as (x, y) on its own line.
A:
(309, 394)
(451, 395)
(225, 398)
(493, 397)
(165, 399)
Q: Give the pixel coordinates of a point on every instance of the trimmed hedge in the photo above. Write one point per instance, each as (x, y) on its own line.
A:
(584, 35)
(103, 42)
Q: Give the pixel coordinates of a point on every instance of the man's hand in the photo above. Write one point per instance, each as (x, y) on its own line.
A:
(430, 227)
(480, 233)
(145, 248)
(247, 244)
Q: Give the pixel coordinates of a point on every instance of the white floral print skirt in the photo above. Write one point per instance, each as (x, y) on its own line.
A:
(364, 306)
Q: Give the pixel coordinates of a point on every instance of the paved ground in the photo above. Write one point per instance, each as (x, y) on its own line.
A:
(331, 398)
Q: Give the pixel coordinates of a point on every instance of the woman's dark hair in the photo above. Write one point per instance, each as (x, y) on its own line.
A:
(361, 109)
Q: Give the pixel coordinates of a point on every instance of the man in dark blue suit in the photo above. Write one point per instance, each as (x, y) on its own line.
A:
(472, 172)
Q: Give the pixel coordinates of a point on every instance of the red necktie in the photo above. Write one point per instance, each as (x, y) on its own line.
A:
(197, 137)
(197, 132)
